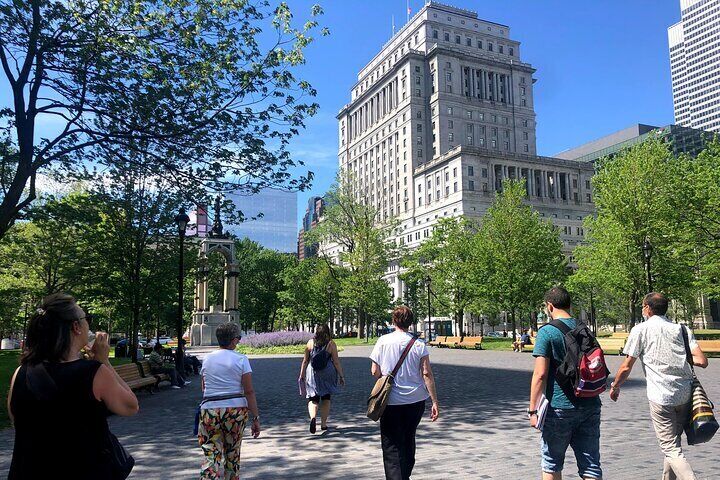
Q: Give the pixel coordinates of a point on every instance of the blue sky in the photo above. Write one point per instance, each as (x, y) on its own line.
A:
(601, 66)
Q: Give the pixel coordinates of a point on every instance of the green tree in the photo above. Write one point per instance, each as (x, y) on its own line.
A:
(308, 291)
(637, 194)
(446, 257)
(365, 247)
(214, 76)
(517, 255)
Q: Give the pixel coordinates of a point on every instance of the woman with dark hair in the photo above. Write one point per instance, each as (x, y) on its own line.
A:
(321, 372)
(412, 385)
(59, 402)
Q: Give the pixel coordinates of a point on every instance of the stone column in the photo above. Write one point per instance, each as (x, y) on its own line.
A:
(230, 300)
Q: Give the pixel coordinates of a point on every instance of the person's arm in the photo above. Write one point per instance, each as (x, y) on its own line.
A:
(305, 361)
(538, 384)
(429, 380)
(375, 370)
(622, 374)
(252, 403)
(699, 358)
(336, 361)
(108, 387)
(9, 397)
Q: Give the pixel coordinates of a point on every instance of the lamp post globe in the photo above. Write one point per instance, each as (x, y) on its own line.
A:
(181, 220)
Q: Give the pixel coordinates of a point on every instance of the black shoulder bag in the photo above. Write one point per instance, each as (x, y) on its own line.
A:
(701, 425)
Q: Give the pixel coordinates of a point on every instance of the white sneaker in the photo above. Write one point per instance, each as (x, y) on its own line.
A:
(187, 382)
(175, 387)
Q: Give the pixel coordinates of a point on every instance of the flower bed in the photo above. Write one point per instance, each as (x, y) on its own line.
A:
(275, 339)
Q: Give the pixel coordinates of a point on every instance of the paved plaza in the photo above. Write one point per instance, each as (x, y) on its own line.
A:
(482, 433)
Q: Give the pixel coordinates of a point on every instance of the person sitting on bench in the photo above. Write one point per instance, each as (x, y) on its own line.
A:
(524, 340)
(158, 365)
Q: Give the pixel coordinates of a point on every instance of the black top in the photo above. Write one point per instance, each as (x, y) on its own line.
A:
(64, 432)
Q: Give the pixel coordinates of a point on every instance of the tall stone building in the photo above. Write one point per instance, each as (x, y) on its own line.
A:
(695, 64)
(439, 117)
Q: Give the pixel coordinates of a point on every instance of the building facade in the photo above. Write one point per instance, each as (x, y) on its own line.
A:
(313, 212)
(695, 64)
(439, 118)
(681, 140)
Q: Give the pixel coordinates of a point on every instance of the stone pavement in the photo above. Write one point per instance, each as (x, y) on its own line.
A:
(482, 433)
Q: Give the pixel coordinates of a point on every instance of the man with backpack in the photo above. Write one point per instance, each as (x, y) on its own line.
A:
(661, 346)
(570, 371)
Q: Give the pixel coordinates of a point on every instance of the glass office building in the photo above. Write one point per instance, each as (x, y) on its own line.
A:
(277, 227)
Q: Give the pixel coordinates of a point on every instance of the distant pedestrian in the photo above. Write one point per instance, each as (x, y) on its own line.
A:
(570, 421)
(59, 402)
(322, 374)
(159, 365)
(228, 398)
(660, 346)
(412, 386)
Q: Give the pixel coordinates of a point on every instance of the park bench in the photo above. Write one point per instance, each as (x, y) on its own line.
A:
(620, 335)
(528, 347)
(450, 342)
(437, 341)
(471, 342)
(156, 377)
(611, 344)
(131, 374)
(709, 346)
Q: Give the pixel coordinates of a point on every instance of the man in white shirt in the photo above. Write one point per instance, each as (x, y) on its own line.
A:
(413, 384)
(660, 346)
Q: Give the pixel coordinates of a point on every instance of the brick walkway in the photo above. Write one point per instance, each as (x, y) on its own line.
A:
(482, 433)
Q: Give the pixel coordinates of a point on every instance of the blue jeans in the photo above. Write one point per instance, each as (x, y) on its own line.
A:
(578, 428)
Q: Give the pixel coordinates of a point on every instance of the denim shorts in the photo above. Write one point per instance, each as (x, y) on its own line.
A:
(578, 428)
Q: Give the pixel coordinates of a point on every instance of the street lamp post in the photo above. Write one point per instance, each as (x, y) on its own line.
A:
(428, 283)
(647, 249)
(330, 309)
(181, 220)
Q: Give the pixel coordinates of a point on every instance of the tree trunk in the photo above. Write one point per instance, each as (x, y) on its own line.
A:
(633, 314)
(362, 320)
(272, 320)
(134, 332)
(514, 325)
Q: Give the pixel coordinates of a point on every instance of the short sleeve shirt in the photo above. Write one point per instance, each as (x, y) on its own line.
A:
(222, 372)
(409, 386)
(550, 343)
(659, 345)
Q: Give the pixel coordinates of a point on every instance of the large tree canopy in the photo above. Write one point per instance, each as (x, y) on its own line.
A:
(204, 89)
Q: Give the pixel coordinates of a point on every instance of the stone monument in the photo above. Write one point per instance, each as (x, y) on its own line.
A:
(206, 318)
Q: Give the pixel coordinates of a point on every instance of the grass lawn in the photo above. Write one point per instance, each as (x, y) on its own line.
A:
(490, 343)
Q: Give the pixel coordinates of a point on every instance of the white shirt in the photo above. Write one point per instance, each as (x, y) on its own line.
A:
(409, 386)
(658, 343)
(222, 371)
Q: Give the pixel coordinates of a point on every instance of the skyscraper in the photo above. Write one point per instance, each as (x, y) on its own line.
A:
(439, 118)
(276, 224)
(695, 64)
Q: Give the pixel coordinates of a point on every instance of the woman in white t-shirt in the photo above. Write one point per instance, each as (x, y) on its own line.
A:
(412, 386)
(228, 397)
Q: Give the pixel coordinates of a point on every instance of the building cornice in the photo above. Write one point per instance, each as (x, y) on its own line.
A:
(436, 48)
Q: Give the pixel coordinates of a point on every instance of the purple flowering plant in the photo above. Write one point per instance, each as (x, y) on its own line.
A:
(275, 339)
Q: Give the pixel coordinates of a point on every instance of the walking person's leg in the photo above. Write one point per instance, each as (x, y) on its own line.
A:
(414, 415)
(210, 438)
(585, 442)
(324, 411)
(555, 439)
(392, 436)
(313, 403)
(668, 423)
(233, 424)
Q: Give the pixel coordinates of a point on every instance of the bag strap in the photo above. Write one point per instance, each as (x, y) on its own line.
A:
(688, 353)
(560, 325)
(403, 356)
(218, 398)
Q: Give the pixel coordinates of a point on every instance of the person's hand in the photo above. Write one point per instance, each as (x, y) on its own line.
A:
(434, 412)
(100, 350)
(255, 428)
(342, 381)
(614, 393)
(533, 420)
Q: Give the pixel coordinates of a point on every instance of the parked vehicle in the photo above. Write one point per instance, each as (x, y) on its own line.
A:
(494, 334)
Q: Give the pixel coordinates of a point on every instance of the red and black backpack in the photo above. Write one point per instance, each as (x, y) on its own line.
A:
(583, 372)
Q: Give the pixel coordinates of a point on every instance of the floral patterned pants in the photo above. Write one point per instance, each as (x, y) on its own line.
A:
(220, 435)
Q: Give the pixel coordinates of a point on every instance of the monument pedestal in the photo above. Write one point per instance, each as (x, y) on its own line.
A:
(202, 331)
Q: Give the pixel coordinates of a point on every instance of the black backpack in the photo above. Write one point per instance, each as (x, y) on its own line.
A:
(583, 372)
(320, 358)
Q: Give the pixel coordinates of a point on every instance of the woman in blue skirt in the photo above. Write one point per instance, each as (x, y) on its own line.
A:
(321, 372)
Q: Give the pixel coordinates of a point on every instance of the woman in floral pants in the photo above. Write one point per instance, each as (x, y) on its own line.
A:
(228, 401)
